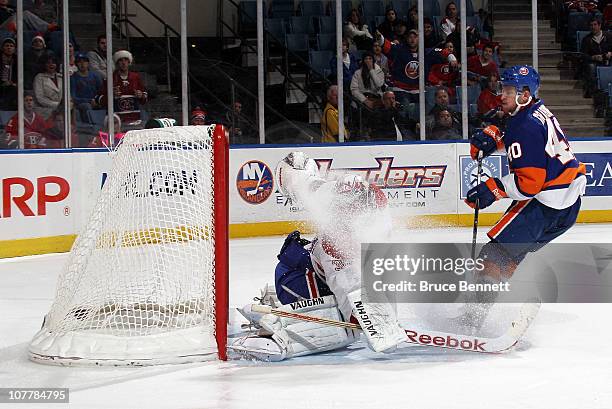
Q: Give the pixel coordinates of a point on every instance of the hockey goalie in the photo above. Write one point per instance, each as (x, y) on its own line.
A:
(322, 278)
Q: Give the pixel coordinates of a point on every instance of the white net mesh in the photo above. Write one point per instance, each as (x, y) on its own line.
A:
(139, 282)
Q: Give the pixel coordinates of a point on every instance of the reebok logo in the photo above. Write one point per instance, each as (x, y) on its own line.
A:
(448, 341)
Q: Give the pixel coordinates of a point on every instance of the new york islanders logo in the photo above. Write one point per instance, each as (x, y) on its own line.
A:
(254, 182)
(523, 71)
(412, 70)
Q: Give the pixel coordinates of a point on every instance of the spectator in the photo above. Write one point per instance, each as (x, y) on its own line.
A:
(450, 20)
(8, 76)
(489, 102)
(446, 73)
(34, 126)
(387, 27)
(45, 10)
(399, 34)
(386, 122)
(32, 59)
(483, 65)
(357, 32)
(472, 38)
(31, 21)
(431, 36)
(405, 67)
(48, 88)
(84, 86)
(55, 135)
(239, 129)
(128, 91)
(349, 64)
(103, 138)
(198, 116)
(597, 50)
(381, 59)
(443, 127)
(442, 101)
(487, 23)
(329, 119)
(413, 19)
(97, 57)
(366, 85)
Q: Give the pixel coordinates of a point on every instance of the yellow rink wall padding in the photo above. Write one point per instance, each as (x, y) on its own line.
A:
(60, 244)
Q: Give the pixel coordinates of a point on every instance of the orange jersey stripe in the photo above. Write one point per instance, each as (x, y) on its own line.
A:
(566, 177)
(507, 218)
(530, 180)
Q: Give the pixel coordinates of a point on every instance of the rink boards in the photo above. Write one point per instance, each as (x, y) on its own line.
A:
(46, 196)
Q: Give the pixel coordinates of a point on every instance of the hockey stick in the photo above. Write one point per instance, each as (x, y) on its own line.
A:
(437, 339)
(477, 207)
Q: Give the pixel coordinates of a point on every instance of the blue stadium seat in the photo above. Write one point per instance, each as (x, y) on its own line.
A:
(319, 62)
(376, 21)
(604, 78)
(469, 10)
(96, 117)
(326, 24)
(430, 97)
(6, 116)
(576, 22)
(401, 8)
(347, 6)
(431, 8)
(371, 8)
(276, 27)
(579, 37)
(297, 43)
(301, 25)
(281, 8)
(309, 8)
(326, 42)
(473, 94)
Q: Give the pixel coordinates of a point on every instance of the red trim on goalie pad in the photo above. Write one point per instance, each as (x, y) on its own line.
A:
(312, 284)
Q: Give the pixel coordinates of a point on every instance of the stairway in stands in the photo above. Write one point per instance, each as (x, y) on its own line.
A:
(87, 23)
(560, 92)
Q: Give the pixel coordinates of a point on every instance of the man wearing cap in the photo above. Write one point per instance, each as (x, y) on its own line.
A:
(32, 58)
(128, 90)
(198, 116)
(8, 76)
(84, 85)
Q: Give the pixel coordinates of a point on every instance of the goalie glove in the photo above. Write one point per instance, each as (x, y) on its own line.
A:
(488, 141)
(297, 173)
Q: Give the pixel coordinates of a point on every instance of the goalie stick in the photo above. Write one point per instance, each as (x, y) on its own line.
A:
(504, 342)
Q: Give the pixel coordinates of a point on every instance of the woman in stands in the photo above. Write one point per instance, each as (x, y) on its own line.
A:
(450, 20)
(367, 83)
(48, 88)
(387, 27)
(357, 32)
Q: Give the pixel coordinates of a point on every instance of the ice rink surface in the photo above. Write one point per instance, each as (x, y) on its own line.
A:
(563, 362)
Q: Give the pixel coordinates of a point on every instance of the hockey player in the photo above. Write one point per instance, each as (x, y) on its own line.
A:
(545, 180)
(322, 278)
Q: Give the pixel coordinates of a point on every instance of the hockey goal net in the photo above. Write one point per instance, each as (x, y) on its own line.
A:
(146, 280)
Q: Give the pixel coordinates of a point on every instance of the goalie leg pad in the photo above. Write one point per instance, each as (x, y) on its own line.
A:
(378, 322)
(289, 337)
